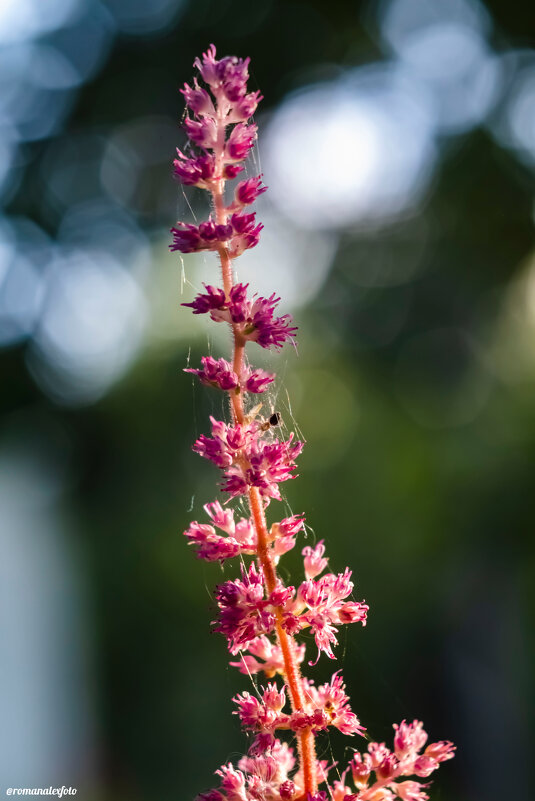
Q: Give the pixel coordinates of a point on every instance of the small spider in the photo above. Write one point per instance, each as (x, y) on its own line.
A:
(272, 421)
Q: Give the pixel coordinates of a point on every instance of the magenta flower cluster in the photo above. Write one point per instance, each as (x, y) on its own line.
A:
(248, 458)
(260, 616)
(219, 373)
(253, 318)
(247, 613)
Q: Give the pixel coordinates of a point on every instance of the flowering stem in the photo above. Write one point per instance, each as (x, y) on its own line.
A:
(307, 750)
(260, 604)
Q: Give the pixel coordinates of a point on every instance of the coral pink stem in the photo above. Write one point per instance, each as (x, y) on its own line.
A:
(307, 750)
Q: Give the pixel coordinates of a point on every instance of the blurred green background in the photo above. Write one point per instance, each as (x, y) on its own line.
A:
(398, 142)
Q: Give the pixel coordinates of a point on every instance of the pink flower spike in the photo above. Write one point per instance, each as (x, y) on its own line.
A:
(314, 561)
(257, 613)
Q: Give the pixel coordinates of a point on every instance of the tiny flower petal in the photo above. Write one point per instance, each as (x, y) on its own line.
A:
(440, 751)
(197, 171)
(246, 192)
(409, 738)
(202, 132)
(314, 561)
(222, 518)
(240, 141)
(230, 171)
(216, 373)
(410, 791)
(198, 100)
(245, 107)
(186, 238)
(211, 546)
(213, 298)
(257, 381)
